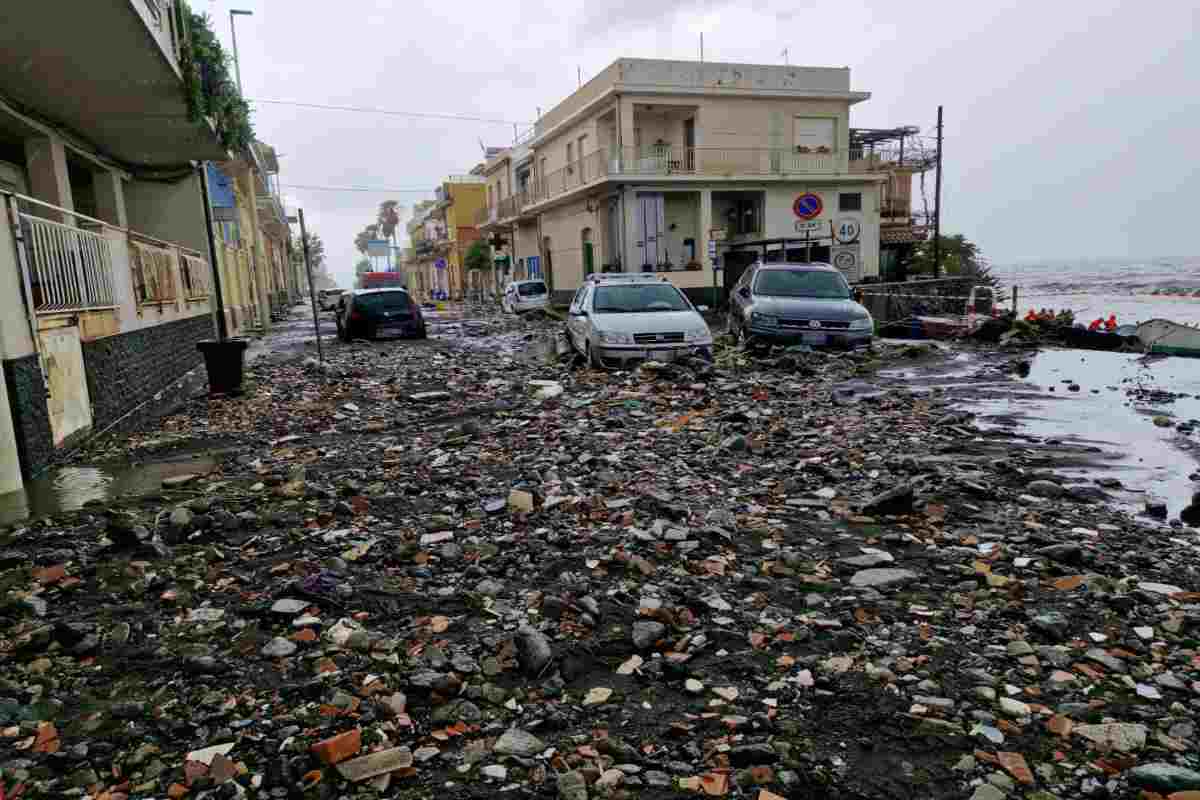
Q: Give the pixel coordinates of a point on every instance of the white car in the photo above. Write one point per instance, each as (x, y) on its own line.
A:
(621, 317)
(522, 296)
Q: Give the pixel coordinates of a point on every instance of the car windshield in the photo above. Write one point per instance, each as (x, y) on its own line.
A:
(531, 289)
(638, 299)
(802, 283)
(390, 301)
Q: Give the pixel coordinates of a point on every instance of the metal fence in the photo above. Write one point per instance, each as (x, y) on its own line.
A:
(71, 269)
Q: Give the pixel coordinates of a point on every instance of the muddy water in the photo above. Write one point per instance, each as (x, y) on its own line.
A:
(69, 488)
(1118, 399)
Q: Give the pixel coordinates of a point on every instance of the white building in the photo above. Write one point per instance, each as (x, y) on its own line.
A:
(682, 166)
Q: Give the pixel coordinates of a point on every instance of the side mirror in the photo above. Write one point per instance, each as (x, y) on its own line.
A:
(744, 292)
(580, 313)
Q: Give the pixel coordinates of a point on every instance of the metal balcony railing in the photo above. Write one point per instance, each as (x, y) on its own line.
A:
(507, 208)
(70, 268)
(665, 160)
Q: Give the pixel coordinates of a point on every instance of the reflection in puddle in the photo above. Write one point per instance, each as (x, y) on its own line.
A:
(1117, 398)
(70, 488)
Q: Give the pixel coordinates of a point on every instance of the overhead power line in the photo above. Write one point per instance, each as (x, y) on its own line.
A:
(392, 112)
(382, 189)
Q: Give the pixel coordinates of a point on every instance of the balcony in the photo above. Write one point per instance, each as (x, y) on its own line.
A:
(504, 211)
(92, 265)
(692, 162)
(106, 71)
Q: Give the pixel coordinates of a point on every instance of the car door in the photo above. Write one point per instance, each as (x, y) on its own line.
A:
(585, 317)
(573, 319)
(739, 302)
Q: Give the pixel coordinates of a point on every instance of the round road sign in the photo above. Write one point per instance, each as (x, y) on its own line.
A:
(845, 260)
(808, 206)
(847, 230)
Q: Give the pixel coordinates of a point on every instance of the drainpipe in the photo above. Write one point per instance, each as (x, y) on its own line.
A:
(219, 309)
(264, 291)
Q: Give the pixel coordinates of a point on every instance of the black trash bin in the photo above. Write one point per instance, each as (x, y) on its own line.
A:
(223, 360)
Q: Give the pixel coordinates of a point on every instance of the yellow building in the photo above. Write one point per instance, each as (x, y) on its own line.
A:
(461, 198)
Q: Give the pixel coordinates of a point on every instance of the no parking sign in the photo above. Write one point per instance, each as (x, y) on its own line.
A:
(808, 206)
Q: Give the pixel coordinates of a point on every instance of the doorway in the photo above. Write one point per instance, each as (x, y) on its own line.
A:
(589, 263)
(689, 145)
(547, 264)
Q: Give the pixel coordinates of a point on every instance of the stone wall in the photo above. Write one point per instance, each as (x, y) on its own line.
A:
(30, 413)
(126, 370)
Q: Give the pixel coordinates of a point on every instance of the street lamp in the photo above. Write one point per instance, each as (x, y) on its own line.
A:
(237, 68)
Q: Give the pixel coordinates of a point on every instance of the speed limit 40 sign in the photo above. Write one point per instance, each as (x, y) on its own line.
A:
(847, 229)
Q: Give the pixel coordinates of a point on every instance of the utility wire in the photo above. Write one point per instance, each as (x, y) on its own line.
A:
(384, 190)
(391, 112)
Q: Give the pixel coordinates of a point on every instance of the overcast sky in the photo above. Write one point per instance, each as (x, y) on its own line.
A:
(1071, 127)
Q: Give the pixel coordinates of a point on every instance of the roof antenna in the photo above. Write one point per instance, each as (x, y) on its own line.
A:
(579, 75)
(483, 147)
(701, 47)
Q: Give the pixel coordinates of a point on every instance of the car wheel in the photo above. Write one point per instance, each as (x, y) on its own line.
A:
(423, 333)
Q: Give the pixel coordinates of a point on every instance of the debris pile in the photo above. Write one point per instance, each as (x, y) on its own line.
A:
(434, 571)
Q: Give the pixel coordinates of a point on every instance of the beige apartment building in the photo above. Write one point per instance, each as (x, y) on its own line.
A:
(696, 170)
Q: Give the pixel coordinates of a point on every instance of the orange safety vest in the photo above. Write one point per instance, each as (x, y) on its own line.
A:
(1111, 325)
(1096, 323)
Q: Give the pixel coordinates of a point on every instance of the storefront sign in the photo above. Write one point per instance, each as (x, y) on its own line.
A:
(808, 206)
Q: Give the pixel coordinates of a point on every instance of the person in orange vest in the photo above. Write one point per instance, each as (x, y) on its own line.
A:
(1031, 316)
(1111, 325)
(1096, 323)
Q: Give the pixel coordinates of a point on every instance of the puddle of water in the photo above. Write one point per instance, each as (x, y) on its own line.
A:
(69, 488)
(1117, 417)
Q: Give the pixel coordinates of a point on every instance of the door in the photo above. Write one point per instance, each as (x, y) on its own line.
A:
(576, 328)
(589, 265)
(652, 224)
(689, 145)
(738, 302)
(69, 403)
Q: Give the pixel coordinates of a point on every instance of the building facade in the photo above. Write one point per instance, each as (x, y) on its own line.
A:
(693, 169)
(106, 272)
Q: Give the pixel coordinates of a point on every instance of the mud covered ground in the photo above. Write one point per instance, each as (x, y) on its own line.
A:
(470, 566)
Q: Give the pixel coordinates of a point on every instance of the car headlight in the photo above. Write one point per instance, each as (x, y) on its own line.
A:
(614, 337)
(700, 334)
(764, 320)
(862, 324)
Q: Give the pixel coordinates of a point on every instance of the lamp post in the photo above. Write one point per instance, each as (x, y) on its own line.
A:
(237, 67)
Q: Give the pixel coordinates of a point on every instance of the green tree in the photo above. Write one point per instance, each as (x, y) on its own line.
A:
(960, 258)
(389, 218)
(316, 259)
(364, 236)
(479, 256)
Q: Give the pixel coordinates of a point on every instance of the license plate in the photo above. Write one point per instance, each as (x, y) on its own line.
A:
(661, 355)
(812, 338)
(396, 329)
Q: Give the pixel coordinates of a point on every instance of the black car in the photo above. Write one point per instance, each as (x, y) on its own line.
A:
(371, 313)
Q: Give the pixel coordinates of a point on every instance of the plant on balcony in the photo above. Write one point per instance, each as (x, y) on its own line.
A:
(209, 89)
(477, 256)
